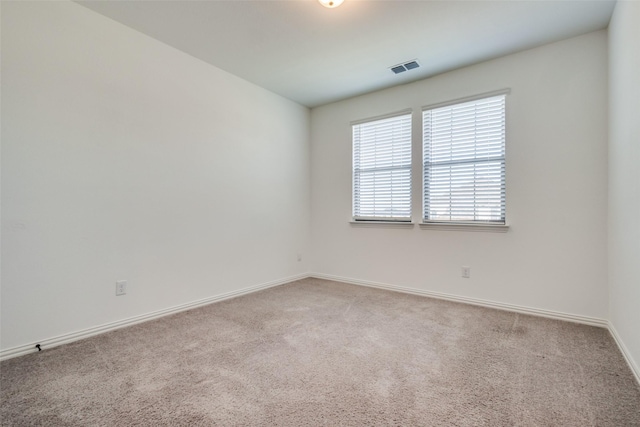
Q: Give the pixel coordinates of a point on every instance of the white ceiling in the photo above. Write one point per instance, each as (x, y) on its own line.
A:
(314, 55)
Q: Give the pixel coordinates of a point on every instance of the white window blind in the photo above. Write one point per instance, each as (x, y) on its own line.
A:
(382, 169)
(464, 162)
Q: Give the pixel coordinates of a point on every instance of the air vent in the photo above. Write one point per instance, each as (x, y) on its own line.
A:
(401, 68)
(411, 65)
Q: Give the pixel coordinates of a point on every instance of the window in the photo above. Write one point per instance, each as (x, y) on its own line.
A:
(382, 169)
(464, 162)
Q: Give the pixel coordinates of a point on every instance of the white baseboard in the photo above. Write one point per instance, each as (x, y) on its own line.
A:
(625, 351)
(593, 321)
(86, 333)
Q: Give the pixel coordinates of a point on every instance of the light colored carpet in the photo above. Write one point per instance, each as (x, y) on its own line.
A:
(322, 353)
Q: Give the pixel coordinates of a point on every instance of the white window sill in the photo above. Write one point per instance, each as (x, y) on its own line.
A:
(382, 224)
(452, 226)
(440, 226)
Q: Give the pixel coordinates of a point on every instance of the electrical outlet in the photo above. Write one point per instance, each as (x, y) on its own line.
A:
(121, 287)
(466, 272)
(299, 257)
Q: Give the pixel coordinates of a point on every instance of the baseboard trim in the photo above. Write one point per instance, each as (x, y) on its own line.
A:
(625, 351)
(593, 321)
(89, 332)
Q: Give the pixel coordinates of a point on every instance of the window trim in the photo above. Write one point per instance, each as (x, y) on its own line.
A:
(383, 221)
(381, 224)
(382, 117)
(461, 225)
(464, 226)
(506, 91)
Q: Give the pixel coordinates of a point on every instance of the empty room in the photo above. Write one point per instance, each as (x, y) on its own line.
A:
(320, 213)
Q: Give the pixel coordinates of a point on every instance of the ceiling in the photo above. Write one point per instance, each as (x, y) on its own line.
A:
(314, 55)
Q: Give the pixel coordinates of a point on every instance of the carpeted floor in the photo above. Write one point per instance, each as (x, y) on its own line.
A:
(320, 353)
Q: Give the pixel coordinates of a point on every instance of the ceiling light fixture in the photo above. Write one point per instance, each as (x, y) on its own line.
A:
(331, 3)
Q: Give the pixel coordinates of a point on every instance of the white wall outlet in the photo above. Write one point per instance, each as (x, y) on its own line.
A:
(299, 257)
(466, 272)
(121, 287)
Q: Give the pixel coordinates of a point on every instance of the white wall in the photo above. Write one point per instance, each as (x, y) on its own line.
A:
(123, 158)
(624, 174)
(554, 256)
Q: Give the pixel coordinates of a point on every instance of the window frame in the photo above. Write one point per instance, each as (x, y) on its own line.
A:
(473, 225)
(356, 213)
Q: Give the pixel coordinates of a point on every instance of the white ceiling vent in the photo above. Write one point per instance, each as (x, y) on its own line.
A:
(401, 68)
